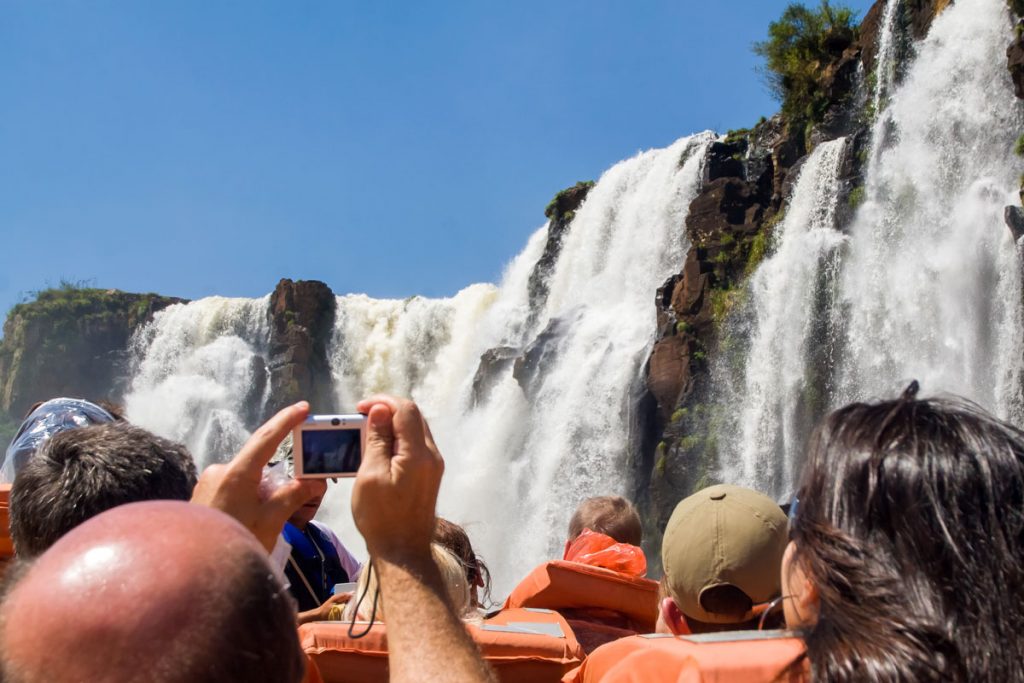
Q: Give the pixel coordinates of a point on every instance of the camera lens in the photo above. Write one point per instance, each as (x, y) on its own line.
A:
(335, 421)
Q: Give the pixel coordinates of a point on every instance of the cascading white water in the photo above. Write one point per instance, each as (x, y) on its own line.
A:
(519, 460)
(782, 295)
(929, 280)
(196, 370)
(931, 287)
(885, 56)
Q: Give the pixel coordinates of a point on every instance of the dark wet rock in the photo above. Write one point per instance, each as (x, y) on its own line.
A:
(560, 212)
(1014, 216)
(494, 363)
(529, 368)
(301, 317)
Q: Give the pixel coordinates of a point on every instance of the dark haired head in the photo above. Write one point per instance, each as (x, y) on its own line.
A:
(609, 515)
(81, 472)
(910, 527)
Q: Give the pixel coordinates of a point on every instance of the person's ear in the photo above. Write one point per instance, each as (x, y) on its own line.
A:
(801, 598)
(673, 618)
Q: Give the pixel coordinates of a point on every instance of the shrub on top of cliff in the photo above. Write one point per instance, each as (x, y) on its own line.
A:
(799, 46)
(555, 208)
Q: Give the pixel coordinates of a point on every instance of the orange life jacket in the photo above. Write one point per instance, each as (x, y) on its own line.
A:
(520, 645)
(6, 545)
(749, 656)
(599, 604)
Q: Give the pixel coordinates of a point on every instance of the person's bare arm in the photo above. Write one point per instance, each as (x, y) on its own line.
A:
(393, 505)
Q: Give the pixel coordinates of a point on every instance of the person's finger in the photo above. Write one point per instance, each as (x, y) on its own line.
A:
(286, 499)
(206, 487)
(388, 400)
(409, 424)
(260, 447)
(380, 439)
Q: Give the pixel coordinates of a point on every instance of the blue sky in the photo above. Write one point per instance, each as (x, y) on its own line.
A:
(212, 147)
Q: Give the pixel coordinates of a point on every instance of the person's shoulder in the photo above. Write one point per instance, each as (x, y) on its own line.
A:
(602, 660)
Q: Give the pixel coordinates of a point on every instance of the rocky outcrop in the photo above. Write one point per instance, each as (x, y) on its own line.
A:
(71, 341)
(560, 212)
(527, 362)
(301, 321)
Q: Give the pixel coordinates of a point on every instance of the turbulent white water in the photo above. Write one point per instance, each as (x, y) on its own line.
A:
(780, 315)
(517, 460)
(929, 285)
(196, 374)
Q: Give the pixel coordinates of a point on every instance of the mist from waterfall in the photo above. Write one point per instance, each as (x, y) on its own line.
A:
(198, 374)
(927, 285)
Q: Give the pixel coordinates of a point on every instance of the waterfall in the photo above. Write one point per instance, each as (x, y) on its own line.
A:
(199, 374)
(885, 57)
(926, 284)
(531, 401)
(521, 453)
(781, 312)
(931, 286)
(522, 459)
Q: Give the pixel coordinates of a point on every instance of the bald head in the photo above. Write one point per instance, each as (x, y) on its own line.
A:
(161, 591)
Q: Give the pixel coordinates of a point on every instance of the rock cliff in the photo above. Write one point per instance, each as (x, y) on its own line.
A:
(70, 341)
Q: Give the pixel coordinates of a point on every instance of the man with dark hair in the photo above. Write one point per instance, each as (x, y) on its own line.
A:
(165, 592)
(79, 473)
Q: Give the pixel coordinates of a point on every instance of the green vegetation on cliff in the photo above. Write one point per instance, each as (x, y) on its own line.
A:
(70, 300)
(554, 210)
(798, 47)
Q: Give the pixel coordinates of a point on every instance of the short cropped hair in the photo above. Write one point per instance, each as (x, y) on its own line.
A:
(79, 473)
(609, 515)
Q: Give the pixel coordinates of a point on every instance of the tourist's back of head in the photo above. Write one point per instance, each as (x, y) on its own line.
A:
(721, 554)
(161, 591)
(78, 473)
(455, 540)
(613, 516)
(908, 544)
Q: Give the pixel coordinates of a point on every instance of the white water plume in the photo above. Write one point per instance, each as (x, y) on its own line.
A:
(197, 367)
(520, 462)
(519, 458)
(885, 55)
(926, 286)
(932, 284)
(782, 297)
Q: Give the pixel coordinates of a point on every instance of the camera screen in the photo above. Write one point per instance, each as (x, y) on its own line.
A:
(330, 450)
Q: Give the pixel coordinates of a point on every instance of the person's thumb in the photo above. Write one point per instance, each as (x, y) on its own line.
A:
(380, 434)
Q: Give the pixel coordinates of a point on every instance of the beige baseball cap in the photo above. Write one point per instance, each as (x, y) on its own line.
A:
(723, 536)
